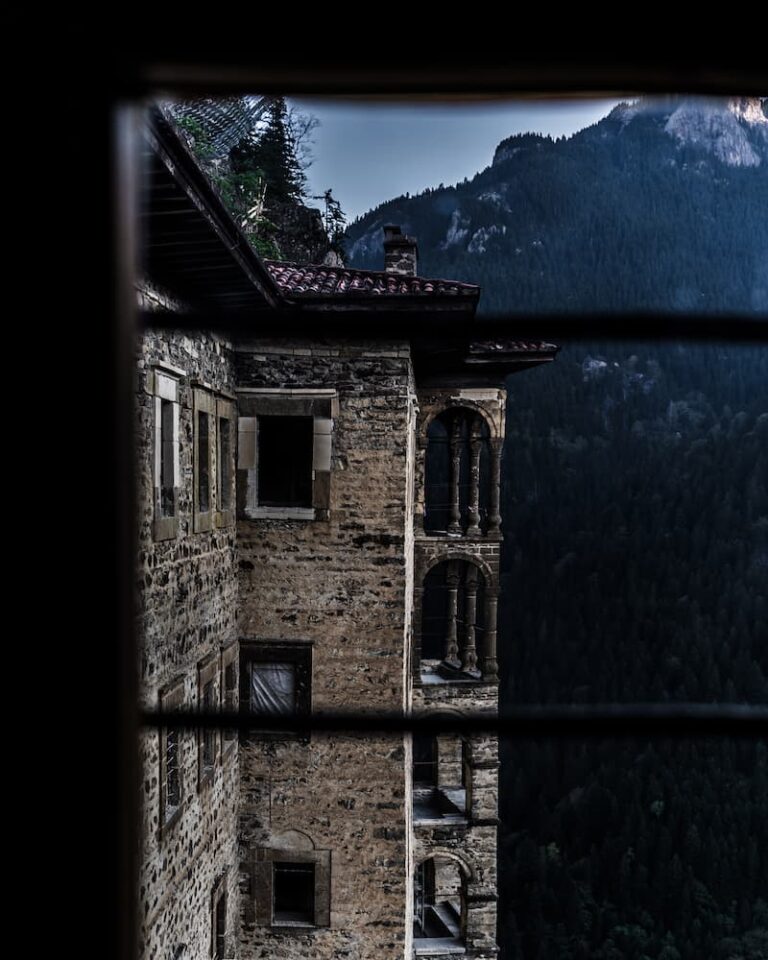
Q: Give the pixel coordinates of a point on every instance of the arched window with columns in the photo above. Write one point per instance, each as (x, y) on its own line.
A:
(460, 471)
(458, 619)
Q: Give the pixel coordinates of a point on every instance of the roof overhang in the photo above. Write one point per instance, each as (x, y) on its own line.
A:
(465, 361)
(194, 250)
(191, 246)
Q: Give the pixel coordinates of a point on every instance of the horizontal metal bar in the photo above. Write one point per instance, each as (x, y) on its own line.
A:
(606, 721)
(412, 72)
(383, 324)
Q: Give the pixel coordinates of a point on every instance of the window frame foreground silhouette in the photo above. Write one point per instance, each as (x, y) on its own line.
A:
(112, 139)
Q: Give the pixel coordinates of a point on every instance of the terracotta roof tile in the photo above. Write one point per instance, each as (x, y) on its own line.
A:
(312, 280)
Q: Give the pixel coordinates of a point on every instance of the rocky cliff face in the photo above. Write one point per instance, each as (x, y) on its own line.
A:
(733, 131)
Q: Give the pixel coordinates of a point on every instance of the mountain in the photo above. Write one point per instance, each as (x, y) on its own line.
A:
(659, 206)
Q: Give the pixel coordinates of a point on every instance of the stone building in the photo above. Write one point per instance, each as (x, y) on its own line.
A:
(319, 534)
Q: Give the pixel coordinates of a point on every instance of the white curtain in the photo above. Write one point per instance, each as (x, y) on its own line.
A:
(273, 688)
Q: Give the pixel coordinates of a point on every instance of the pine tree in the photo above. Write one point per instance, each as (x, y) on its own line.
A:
(272, 151)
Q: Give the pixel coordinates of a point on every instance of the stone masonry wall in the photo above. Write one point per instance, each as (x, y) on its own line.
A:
(187, 597)
(344, 584)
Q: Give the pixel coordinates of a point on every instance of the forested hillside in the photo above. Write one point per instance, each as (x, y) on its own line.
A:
(636, 509)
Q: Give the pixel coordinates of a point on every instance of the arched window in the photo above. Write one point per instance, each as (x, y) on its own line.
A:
(440, 777)
(424, 761)
(453, 616)
(439, 903)
(457, 474)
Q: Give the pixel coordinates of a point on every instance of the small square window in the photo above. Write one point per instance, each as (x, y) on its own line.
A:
(272, 688)
(293, 892)
(289, 888)
(284, 454)
(285, 461)
(275, 680)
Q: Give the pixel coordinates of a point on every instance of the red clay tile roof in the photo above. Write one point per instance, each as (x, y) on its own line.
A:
(313, 280)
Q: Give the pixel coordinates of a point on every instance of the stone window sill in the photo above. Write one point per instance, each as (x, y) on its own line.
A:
(437, 947)
(165, 528)
(224, 518)
(282, 513)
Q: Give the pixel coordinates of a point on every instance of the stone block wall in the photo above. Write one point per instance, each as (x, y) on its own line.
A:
(187, 600)
(343, 583)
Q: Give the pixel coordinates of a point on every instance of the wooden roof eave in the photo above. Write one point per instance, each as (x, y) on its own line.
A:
(169, 148)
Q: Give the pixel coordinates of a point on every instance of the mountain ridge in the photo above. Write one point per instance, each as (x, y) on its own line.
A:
(658, 206)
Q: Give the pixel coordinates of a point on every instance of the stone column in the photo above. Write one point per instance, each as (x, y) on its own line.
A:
(451, 638)
(489, 665)
(475, 447)
(494, 518)
(454, 524)
(469, 650)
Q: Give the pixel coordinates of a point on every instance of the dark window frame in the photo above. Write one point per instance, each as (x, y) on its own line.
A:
(165, 388)
(260, 899)
(170, 698)
(298, 430)
(229, 696)
(204, 404)
(299, 653)
(113, 141)
(218, 896)
(208, 672)
(280, 881)
(322, 405)
(225, 462)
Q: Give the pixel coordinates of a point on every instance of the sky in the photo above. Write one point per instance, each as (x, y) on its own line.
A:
(368, 153)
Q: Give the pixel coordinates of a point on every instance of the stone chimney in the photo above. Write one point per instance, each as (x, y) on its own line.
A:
(400, 252)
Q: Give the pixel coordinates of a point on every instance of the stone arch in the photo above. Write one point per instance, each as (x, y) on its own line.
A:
(479, 562)
(455, 617)
(438, 853)
(457, 404)
(457, 469)
(440, 907)
(292, 840)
